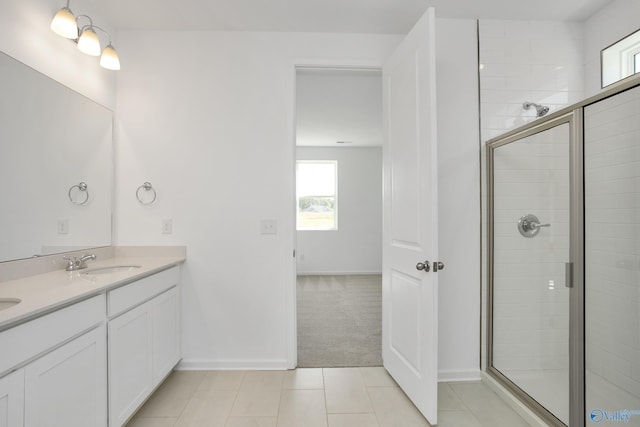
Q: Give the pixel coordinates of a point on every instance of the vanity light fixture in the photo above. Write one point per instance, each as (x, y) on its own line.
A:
(109, 58)
(88, 42)
(65, 24)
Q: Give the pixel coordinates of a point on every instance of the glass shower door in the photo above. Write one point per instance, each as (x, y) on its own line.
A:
(529, 246)
(612, 260)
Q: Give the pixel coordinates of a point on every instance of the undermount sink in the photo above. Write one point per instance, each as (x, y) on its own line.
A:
(112, 269)
(8, 303)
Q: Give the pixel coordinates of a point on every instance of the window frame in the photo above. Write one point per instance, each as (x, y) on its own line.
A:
(335, 194)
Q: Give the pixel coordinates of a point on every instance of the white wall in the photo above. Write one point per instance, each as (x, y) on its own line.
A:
(458, 199)
(214, 133)
(25, 35)
(356, 246)
(612, 23)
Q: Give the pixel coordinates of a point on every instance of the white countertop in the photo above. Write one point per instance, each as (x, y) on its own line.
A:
(44, 293)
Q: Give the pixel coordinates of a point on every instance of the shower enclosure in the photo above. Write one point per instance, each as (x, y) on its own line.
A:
(563, 234)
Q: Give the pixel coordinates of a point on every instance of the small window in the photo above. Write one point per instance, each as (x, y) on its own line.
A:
(621, 59)
(317, 194)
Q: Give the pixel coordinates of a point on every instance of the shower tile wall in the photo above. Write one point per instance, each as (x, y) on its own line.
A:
(536, 61)
(531, 303)
(612, 251)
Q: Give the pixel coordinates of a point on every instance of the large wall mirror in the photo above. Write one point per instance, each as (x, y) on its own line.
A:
(56, 166)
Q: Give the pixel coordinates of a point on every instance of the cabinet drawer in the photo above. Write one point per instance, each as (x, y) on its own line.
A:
(28, 340)
(128, 296)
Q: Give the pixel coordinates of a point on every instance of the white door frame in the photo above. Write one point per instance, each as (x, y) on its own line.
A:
(292, 322)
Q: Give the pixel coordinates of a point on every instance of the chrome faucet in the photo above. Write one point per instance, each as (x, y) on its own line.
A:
(74, 263)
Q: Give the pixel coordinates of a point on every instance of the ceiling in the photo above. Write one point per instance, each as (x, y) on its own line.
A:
(340, 16)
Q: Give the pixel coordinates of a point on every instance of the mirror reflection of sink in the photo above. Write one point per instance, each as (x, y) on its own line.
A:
(112, 269)
(8, 302)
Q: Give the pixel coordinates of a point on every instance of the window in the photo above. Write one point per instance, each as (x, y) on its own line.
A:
(317, 194)
(621, 59)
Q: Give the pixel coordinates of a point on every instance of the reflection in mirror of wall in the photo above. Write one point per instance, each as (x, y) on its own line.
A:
(51, 139)
(621, 59)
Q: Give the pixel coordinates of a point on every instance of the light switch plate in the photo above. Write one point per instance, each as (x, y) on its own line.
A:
(167, 226)
(269, 226)
(63, 226)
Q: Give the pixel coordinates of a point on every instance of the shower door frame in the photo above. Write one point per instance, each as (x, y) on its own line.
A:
(573, 117)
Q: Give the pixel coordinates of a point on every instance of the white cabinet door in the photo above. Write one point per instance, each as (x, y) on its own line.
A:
(130, 376)
(12, 399)
(67, 387)
(166, 333)
(410, 252)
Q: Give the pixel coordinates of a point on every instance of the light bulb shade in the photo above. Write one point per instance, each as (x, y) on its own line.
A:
(89, 42)
(109, 58)
(64, 24)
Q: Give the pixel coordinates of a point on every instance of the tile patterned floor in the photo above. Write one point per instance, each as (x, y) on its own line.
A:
(328, 397)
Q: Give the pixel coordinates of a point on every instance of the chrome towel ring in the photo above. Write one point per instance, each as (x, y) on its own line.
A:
(146, 187)
(82, 188)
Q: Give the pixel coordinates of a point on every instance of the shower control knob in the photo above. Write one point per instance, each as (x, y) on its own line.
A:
(423, 266)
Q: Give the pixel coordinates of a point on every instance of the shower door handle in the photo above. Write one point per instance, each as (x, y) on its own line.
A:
(568, 275)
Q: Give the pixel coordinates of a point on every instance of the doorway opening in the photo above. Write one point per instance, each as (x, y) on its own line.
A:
(339, 134)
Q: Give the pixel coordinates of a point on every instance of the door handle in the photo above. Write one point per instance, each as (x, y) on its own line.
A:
(438, 265)
(423, 266)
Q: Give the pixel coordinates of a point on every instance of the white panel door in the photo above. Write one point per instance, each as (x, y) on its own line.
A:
(12, 399)
(410, 296)
(68, 387)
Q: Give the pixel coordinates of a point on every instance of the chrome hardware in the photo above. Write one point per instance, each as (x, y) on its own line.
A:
(529, 225)
(568, 275)
(146, 187)
(81, 188)
(541, 110)
(437, 266)
(75, 263)
(423, 266)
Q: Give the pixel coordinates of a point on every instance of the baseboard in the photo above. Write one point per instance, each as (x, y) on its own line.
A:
(338, 273)
(515, 404)
(232, 365)
(458, 376)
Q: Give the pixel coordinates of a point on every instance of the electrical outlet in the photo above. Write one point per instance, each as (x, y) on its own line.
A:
(63, 226)
(268, 226)
(167, 226)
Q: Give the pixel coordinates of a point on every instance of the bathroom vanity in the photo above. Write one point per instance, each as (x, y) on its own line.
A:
(88, 347)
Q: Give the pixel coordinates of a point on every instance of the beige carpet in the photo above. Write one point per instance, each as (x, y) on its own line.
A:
(339, 321)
